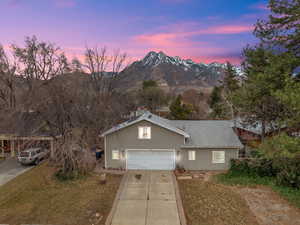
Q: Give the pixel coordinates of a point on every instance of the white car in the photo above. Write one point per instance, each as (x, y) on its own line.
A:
(32, 156)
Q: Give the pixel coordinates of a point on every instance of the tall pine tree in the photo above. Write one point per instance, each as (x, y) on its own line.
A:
(282, 28)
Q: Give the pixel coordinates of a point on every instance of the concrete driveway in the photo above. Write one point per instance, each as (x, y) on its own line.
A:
(9, 169)
(148, 198)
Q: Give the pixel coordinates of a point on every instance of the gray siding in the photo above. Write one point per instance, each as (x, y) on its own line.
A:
(127, 138)
(204, 159)
(161, 138)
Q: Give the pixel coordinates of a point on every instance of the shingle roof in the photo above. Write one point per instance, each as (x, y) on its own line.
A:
(256, 127)
(209, 133)
(198, 133)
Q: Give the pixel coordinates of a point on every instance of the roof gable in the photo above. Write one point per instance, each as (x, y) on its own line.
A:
(199, 133)
(159, 121)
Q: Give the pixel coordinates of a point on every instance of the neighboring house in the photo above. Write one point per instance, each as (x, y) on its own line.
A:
(152, 142)
(20, 131)
(251, 134)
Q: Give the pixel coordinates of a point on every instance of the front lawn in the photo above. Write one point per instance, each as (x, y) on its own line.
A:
(235, 178)
(209, 203)
(37, 197)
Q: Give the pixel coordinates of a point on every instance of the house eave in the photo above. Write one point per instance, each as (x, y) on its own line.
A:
(211, 147)
(150, 121)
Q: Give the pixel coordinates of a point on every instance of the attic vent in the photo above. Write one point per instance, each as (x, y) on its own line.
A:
(149, 116)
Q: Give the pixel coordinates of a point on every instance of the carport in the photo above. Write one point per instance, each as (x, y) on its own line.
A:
(13, 144)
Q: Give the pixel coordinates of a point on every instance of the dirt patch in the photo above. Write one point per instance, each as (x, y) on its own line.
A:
(213, 204)
(268, 207)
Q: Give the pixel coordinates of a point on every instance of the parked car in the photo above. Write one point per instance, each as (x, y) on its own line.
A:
(32, 156)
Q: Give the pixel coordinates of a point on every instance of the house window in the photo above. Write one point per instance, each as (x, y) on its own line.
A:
(192, 155)
(218, 157)
(144, 132)
(115, 154)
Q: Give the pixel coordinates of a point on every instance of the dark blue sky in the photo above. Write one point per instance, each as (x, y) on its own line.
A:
(204, 30)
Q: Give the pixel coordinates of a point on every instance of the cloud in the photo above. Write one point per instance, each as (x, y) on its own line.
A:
(179, 37)
(260, 6)
(194, 42)
(58, 3)
(14, 3)
(227, 29)
(218, 58)
(65, 3)
(173, 1)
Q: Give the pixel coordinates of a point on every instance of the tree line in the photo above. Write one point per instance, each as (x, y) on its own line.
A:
(71, 101)
(269, 91)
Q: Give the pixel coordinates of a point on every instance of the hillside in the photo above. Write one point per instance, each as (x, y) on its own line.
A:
(172, 73)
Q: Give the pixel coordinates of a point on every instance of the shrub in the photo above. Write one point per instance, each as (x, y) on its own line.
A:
(253, 167)
(280, 146)
(286, 171)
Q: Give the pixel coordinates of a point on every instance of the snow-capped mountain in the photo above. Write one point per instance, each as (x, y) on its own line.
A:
(173, 71)
(154, 59)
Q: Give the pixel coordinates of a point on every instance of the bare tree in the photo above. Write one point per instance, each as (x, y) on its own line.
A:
(73, 110)
(104, 69)
(37, 63)
(7, 80)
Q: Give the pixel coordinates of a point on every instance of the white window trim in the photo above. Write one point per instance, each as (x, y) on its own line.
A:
(141, 129)
(113, 152)
(218, 161)
(191, 155)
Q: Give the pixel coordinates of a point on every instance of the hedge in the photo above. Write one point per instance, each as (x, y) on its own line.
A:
(286, 171)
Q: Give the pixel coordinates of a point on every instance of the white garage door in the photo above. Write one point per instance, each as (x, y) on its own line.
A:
(150, 160)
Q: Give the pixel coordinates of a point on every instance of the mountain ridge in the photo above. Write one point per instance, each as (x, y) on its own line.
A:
(173, 72)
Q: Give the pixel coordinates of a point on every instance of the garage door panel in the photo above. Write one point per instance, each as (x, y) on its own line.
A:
(150, 160)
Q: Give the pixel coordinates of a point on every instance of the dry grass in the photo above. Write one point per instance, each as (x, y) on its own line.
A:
(36, 197)
(207, 203)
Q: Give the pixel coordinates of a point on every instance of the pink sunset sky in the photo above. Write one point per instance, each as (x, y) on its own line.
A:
(204, 31)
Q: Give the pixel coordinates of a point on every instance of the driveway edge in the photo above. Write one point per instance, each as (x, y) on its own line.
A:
(116, 200)
(179, 201)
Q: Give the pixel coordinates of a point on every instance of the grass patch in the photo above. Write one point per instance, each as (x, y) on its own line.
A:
(37, 197)
(209, 203)
(235, 178)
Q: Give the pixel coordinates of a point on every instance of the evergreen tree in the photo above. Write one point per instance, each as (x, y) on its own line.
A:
(217, 104)
(149, 83)
(152, 96)
(230, 85)
(179, 111)
(266, 74)
(290, 97)
(282, 28)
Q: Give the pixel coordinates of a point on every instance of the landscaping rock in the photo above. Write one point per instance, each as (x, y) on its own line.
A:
(184, 177)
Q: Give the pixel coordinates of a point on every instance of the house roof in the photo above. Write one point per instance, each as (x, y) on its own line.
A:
(23, 124)
(198, 133)
(255, 127)
(147, 116)
(209, 134)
